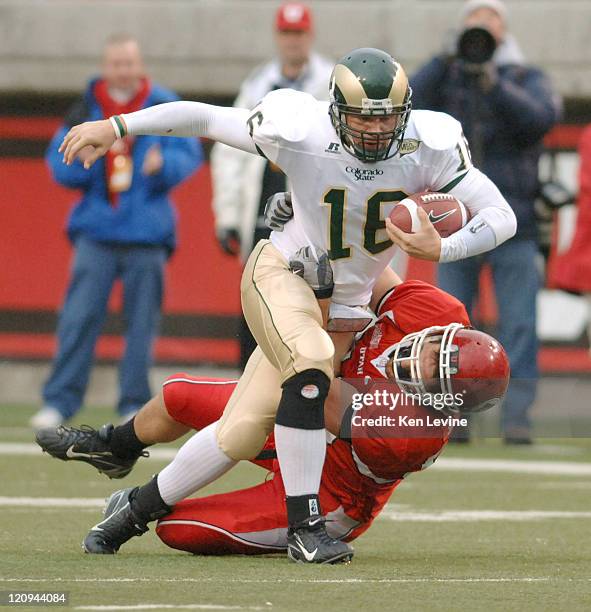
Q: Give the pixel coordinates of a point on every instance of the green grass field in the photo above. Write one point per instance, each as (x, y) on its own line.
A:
(477, 545)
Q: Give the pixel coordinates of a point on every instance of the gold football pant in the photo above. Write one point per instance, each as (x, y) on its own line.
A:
(285, 319)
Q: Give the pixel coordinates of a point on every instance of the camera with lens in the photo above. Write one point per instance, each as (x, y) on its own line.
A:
(476, 45)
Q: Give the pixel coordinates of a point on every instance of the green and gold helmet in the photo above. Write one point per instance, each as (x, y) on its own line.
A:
(365, 83)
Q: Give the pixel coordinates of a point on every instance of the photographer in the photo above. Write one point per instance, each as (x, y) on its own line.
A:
(505, 108)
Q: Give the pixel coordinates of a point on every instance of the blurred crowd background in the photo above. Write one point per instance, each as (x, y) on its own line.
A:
(206, 50)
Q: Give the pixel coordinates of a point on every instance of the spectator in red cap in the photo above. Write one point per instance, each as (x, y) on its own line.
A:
(242, 183)
(294, 38)
(293, 16)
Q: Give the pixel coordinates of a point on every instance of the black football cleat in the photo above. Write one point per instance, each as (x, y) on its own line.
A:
(86, 444)
(308, 542)
(119, 525)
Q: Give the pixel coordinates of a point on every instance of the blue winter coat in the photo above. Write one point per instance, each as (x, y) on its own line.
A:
(504, 126)
(144, 214)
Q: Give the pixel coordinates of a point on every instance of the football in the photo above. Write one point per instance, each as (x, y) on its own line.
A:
(445, 211)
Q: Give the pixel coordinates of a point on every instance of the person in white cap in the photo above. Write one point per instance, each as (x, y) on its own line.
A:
(505, 108)
(242, 183)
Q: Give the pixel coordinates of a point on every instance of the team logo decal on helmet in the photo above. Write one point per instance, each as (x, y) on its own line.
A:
(369, 83)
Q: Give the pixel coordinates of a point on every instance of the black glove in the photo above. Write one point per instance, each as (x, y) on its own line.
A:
(229, 240)
(278, 211)
(313, 265)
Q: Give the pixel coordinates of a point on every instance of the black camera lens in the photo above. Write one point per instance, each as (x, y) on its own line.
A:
(476, 45)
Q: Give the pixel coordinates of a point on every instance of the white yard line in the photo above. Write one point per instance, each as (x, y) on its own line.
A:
(563, 468)
(17, 449)
(394, 513)
(27, 449)
(224, 580)
(171, 607)
(514, 466)
(53, 502)
(453, 516)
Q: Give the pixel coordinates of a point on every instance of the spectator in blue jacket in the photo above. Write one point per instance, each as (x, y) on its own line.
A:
(505, 108)
(123, 227)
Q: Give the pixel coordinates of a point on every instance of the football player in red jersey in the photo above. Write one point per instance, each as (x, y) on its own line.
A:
(420, 345)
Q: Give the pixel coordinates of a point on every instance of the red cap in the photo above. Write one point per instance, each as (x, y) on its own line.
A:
(293, 16)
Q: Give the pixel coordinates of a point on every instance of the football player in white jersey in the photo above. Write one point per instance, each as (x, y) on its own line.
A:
(348, 161)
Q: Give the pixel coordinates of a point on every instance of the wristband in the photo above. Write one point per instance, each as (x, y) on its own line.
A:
(118, 126)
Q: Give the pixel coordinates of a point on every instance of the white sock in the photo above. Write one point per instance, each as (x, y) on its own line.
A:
(198, 462)
(301, 455)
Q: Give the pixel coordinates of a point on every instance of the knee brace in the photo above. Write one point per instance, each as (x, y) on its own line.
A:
(302, 401)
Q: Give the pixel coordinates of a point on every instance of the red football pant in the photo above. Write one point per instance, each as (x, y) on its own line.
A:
(249, 521)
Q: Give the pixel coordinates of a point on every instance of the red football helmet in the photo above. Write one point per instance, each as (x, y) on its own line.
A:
(473, 367)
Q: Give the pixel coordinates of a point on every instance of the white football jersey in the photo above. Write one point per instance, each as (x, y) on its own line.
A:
(339, 202)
